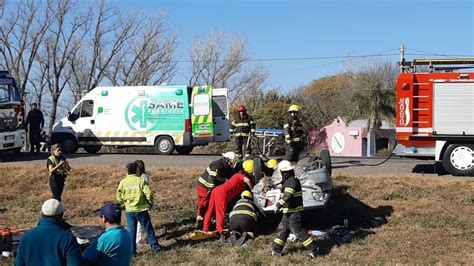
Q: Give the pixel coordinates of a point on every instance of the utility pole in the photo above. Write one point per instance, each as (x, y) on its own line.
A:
(402, 58)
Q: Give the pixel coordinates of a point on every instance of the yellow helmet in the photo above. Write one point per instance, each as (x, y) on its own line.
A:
(294, 108)
(246, 194)
(272, 163)
(248, 166)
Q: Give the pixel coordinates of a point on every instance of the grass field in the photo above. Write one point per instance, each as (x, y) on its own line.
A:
(425, 220)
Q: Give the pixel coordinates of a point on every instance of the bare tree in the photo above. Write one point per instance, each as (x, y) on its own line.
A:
(220, 62)
(62, 42)
(108, 33)
(22, 33)
(148, 58)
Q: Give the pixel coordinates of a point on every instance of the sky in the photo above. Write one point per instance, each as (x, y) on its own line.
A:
(305, 33)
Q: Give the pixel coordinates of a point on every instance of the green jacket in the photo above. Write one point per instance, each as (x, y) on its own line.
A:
(135, 194)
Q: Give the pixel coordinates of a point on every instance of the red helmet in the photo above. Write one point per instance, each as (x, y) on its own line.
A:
(242, 108)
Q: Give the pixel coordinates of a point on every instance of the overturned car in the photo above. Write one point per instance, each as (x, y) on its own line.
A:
(314, 176)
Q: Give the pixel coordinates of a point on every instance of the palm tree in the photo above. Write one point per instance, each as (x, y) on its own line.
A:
(377, 103)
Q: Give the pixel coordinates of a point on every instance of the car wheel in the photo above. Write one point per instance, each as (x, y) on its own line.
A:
(184, 150)
(69, 144)
(326, 159)
(92, 149)
(458, 159)
(164, 145)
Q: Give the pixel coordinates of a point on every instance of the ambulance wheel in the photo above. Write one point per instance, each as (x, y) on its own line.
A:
(164, 145)
(458, 159)
(184, 150)
(69, 144)
(92, 149)
(326, 159)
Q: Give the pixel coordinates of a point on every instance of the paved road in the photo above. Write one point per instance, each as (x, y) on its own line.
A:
(350, 166)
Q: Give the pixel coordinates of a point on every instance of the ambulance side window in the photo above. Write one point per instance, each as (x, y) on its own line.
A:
(219, 106)
(87, 108)
(75, 113)
(201, 104)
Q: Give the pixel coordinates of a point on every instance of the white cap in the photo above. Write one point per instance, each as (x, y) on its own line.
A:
(231, 156)
(285, 166)
(52, 207)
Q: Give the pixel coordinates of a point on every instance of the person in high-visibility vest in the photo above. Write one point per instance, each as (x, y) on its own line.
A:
(215, 174)
(58, 168)
(291, 203)
(243, 219)
(294, 134)
(242, 128)
(223, 194)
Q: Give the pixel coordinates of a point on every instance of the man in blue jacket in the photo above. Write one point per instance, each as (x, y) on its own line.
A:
(51, 242)
(114, 246)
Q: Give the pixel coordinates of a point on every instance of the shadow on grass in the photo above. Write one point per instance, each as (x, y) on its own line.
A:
(434, 168)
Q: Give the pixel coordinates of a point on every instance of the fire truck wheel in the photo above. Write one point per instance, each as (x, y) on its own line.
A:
(458, 159)
(164, 145)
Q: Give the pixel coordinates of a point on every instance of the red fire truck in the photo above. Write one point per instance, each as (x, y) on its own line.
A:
(435, 112)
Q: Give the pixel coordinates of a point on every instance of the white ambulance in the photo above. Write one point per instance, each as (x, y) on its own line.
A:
(166, 117)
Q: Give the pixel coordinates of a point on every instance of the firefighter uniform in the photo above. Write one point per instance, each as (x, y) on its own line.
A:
(291, 203)
(294, 136)
(220, 198)
(241, 128)
(215, 174)
(243, 217)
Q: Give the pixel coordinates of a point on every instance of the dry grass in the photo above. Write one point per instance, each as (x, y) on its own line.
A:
(429, 220)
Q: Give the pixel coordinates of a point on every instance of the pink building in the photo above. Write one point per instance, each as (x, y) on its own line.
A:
(344, 139)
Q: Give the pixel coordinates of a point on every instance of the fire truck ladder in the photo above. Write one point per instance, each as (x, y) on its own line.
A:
(436, 65)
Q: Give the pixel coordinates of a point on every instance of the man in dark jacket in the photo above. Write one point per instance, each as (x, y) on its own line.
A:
(51, 242)
(243, 219)
(291, 203)
(242, 128)
(35, 120)
(294, 134)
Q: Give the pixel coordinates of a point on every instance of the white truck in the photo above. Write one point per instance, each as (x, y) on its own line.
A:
(166, 117)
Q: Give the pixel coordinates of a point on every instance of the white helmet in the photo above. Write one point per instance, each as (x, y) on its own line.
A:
(231, 156)
(285, 166)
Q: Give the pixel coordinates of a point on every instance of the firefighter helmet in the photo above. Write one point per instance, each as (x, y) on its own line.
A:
(248, 166)
(285, 165)
(242, 108)
(272, 163)
(231, 156)
(247, 194)
(294, 108)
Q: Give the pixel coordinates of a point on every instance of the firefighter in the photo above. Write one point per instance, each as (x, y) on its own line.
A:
(215, 174)
(243, 220)
(242, 128)
(294, 134)
(291, 203)
(223, 194)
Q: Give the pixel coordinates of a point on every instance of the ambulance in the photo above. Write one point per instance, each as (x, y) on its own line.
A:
(165, 117)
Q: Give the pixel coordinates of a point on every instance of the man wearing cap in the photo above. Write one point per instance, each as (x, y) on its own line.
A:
(215, 174)
(51, 242)
(114, 246)
(242, 128)
(137, 197)
(291, 203)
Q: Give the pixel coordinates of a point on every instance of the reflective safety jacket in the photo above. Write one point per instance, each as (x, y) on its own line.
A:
(54, 162)
(244, 209)
(216, 174)
(294, 131)
(135, 194)
(291, 197)
(242, 126)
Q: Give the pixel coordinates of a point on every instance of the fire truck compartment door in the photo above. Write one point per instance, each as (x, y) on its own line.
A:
(453, 108)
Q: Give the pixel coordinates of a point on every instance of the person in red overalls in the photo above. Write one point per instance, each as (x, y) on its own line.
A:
(215, 174)
(223, 194)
